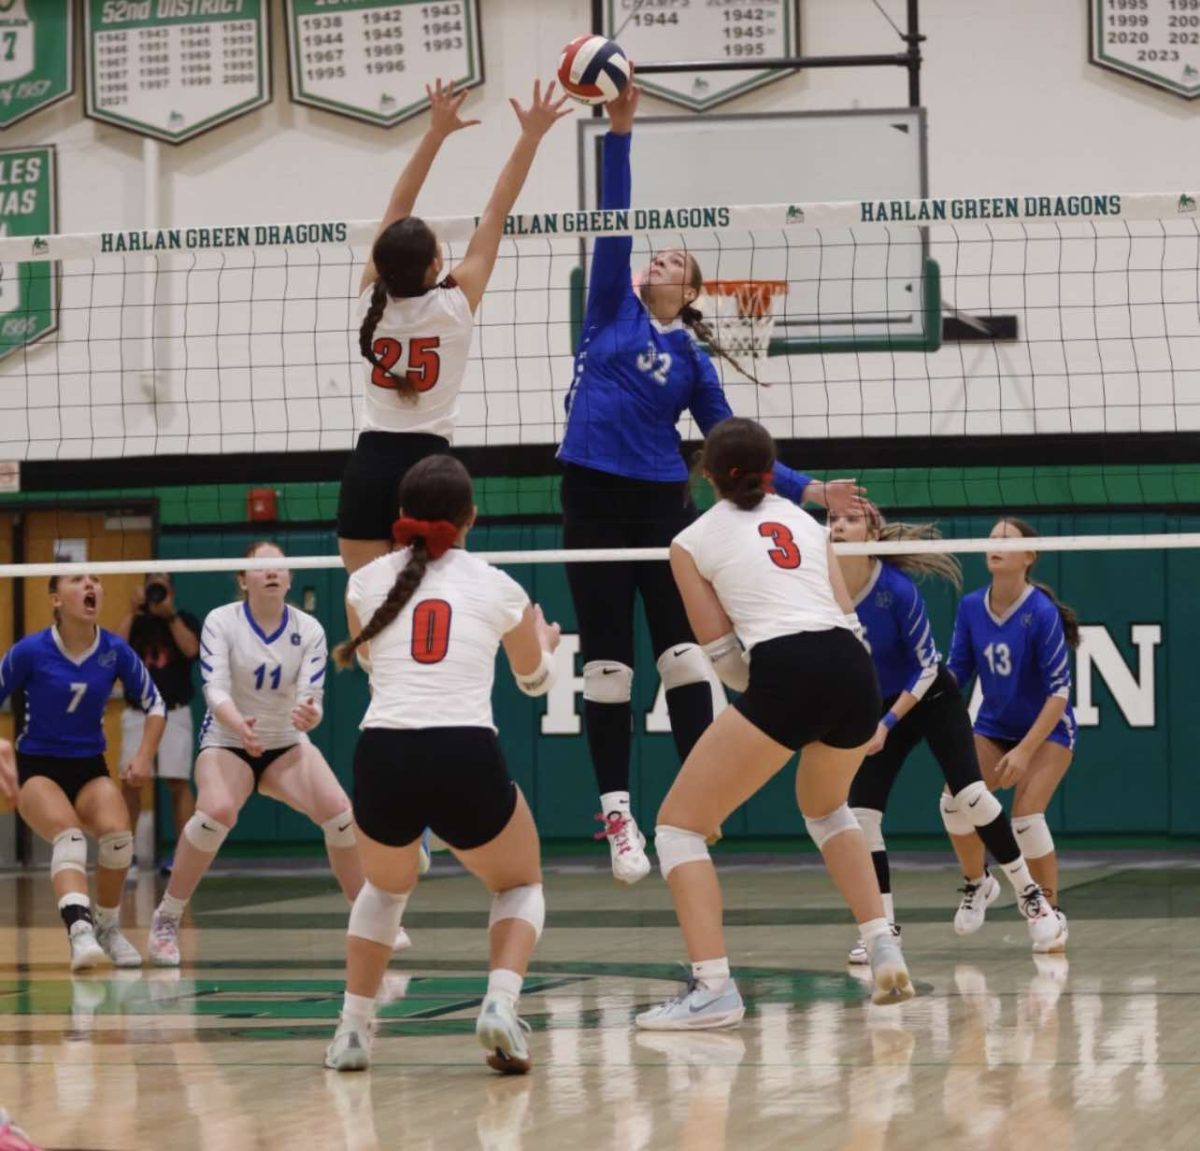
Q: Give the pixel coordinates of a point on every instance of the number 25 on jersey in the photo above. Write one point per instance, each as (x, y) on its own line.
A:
(424, 362)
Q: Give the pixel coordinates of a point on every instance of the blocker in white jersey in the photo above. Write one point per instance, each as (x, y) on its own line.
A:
(769, 567)
(264, 674)
(416, 323)
(424, 340)
(434, 665)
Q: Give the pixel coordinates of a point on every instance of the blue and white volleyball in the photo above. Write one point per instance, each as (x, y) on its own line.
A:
(594, 70)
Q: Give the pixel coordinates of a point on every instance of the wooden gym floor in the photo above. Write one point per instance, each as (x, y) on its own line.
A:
(1099, 1050)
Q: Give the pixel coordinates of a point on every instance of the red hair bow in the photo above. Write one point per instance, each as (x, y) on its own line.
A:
(439, 535)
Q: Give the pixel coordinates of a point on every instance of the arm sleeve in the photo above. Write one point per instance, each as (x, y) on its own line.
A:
(790, 483)
(918, 634)
(1054, 657)
(961, 664)
(14, 671)
(611, 279)
(139, 687)
(312, 666)
(214, 663)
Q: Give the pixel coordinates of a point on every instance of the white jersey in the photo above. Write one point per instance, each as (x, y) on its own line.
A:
(426, 338)
(769, 568)
(434, 665)
(264, 675)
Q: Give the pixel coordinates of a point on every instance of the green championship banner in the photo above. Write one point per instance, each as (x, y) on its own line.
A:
(660, 33)
(1155, 41)
(36, 64)
(175, 68)
(371, 59)
(28, 290)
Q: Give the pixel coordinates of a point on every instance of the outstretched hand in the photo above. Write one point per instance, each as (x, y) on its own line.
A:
(840, 497)
(444, 106)
(543, 111)
(549, 634)
(623, 110)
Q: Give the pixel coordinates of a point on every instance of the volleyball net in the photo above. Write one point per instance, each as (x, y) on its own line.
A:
(957, 356)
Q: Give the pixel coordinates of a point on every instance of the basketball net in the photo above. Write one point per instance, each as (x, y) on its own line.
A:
(743, 313)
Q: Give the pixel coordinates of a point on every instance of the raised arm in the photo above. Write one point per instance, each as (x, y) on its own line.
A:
(444, 105)
(542, 114)
(611, 279)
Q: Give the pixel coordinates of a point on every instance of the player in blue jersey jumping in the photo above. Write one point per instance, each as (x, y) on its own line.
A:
(625, 485)
(66, 673)
(1017, 637)
(921, 701)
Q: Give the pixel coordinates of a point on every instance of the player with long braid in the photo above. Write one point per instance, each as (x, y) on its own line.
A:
(921, 701)
(1017, 637)
(427, 620)
(625, 485)
(417, 325)
(67, 673)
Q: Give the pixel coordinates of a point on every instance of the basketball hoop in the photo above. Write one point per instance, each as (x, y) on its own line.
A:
(743, 314)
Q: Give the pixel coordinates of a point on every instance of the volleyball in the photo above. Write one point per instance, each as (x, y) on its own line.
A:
(594, 70)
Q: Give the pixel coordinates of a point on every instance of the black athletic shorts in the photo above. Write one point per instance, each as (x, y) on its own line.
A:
(259, 763)
(452, 780)
(71, 774)
(369, 499)
(810, 687)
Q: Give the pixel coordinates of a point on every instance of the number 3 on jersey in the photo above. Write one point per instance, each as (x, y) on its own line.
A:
(785, 554)
(424, 362)
(431, 631)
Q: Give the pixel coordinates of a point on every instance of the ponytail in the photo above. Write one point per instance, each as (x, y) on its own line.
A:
(402, 591)
(1070, 620)
(401, 385)
(1068, 615)
(694, 320)
(941, 564)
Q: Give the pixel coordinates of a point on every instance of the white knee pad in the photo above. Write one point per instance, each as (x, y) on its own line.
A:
(115, 850)
(1033, 835)
(376, 915)
(205, 833)
(681, 665)
(675, 845)
(871, 822)
(339, 831)
(606, 681)
(527, 903)
(69, 852)
(837, 821)
(956, 821)
(978, 804)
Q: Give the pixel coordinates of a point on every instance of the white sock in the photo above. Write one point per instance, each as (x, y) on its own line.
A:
(359, 1009)
(502, 981)
(976, 882)
(108, 917)
(612, 801)
(889, 907)
(171, 907)
(874, 929)
(711, 973)
(1018, 874)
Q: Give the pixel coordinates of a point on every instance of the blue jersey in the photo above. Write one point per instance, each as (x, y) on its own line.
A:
(1021, 658)
(65, 696)
(634, 377)
(899, 635)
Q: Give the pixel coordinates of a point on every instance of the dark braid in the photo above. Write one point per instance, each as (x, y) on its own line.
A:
(402, 255)
(694, 320)
(402, 591)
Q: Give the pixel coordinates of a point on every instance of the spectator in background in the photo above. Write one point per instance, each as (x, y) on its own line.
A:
(168, 642)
